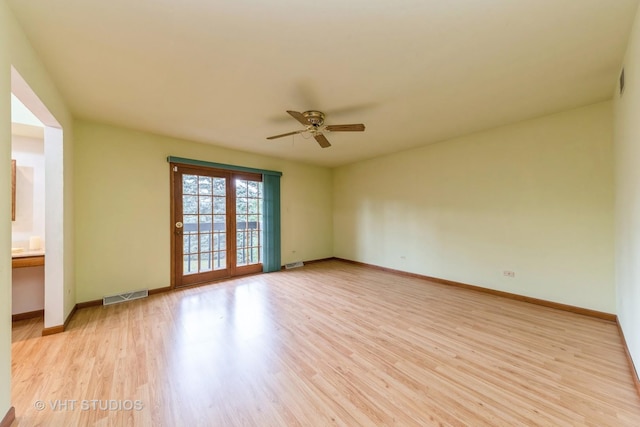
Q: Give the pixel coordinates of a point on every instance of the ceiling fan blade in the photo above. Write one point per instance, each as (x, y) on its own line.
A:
(286, 134)
(299, 117)
(345, 128)
(324, 143)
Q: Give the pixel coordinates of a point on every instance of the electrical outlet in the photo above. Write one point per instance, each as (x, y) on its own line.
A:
(509, 273)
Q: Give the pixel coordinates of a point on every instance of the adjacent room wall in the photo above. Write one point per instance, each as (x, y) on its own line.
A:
(123, 216)
(534, 198)
(627, 196)
(28, 153)
(28, 283)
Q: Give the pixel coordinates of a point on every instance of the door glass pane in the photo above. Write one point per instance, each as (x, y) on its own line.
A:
(241, 205)
(240, 239)
(219, 241)
(219, 205)
(206, 204)
(190, 243)
(241, 188)
(255, 238)
(189, 204)
(205, 242)
(190, 264)
(205, 185)
(252, 189)
(206, 263)
(189, 184)
(205, 223)
(219, 187)
(220, 260)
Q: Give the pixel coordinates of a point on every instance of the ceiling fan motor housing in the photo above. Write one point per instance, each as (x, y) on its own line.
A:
(315, 118)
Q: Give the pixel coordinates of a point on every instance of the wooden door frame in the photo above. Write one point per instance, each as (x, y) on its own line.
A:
(231, 255)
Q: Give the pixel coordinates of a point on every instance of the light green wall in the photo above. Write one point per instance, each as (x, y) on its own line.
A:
(122, 209)
(5, 212)
(534, 197)
(15, 50)
(627, 196)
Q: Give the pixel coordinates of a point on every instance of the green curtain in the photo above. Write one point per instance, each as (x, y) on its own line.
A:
(271, 216)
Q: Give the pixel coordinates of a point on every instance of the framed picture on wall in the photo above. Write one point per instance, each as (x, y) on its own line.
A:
(13, 190)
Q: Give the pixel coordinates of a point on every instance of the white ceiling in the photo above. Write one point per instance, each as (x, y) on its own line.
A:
(413, 71)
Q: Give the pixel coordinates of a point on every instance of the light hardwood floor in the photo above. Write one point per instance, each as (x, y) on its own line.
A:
(328, 344)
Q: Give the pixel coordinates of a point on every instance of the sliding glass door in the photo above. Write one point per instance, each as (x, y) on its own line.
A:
(217, 224)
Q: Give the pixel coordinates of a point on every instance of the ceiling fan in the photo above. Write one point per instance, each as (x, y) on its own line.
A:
(314, 124)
